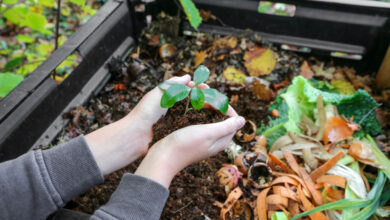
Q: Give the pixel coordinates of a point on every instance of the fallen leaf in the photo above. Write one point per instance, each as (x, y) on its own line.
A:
(306, 71)
(260, 61)
(200, 56)
(343, 87)
(206, 15)
(234, 75)
(154, 40)
(281, 85)
(320, 71)
(261, 91)
(226, 42)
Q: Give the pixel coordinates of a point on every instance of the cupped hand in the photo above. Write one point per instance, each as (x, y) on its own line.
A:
(188, 145)
(118, 144)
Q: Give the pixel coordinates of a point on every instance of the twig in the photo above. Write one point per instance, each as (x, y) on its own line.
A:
(57, 31)
(182, 208)
(179, 8)
(57, 24)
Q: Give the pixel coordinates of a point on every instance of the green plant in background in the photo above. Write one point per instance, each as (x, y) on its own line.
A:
(174, 92)
(28, 35)
(192, 13)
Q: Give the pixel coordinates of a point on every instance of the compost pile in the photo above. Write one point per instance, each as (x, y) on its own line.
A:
(315, 136)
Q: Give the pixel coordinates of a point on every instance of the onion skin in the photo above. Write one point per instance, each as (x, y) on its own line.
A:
(337, 128)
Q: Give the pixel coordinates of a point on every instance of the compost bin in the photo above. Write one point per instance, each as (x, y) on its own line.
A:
(354, 33)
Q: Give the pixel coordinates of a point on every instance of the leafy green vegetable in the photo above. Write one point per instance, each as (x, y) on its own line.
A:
(201, 74)
(362, 107)
(192, 13)
(275, 128)
(173, 94)
(300, 98)
(216, 99)
(197, 98)
(8, 82)
(370, 203)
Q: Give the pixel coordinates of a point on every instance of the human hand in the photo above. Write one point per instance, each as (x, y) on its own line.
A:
(118, 144)
(188, 145)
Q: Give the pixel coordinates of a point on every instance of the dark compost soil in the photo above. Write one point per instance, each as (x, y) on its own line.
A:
(177, 118)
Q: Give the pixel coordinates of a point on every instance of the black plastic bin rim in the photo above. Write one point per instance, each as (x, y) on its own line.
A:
(365, 3)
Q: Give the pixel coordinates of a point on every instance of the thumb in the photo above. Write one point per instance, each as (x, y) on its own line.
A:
(224, 128)
(182, 80)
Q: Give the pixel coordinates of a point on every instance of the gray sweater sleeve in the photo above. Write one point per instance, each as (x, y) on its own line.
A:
(37, 183)
(135, 198)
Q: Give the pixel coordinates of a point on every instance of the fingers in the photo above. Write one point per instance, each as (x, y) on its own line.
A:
(200, 86)
(182, 79)
(224, 128)
(231, 112)
(221, 144)
(203, 86)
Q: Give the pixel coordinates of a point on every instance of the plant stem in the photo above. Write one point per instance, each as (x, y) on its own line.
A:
(188, 103)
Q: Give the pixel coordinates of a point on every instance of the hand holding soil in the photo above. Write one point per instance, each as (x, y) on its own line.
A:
(185, 146)
(120, 143)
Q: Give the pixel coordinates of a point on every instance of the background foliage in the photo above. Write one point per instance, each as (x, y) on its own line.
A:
(27, 35)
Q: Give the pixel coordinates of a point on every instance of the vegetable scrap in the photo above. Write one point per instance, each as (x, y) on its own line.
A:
(311, 163)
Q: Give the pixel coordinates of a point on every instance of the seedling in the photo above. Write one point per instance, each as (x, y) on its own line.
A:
(174, 92)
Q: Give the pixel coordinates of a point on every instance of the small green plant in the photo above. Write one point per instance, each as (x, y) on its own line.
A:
(174, 92)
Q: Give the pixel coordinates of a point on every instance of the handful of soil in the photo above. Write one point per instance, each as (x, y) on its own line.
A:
(177, 118)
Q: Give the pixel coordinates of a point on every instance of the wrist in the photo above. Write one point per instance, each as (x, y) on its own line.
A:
(157, 166)
(116, 145)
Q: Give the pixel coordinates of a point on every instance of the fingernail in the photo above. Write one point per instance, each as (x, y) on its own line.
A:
(240, 121)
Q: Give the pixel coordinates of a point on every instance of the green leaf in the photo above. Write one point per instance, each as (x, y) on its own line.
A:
(45, 48)
(192, 13)
(78, 2)
(28, 68)
(201, 74)
(9, 2)
(216, 99)
(16, 15)
(13, 63)
(36, 21)
(48, 3)
(22, 38)
(166, 84)
(65, 10)
(173, 94)
(197, 98)
(8, 82)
